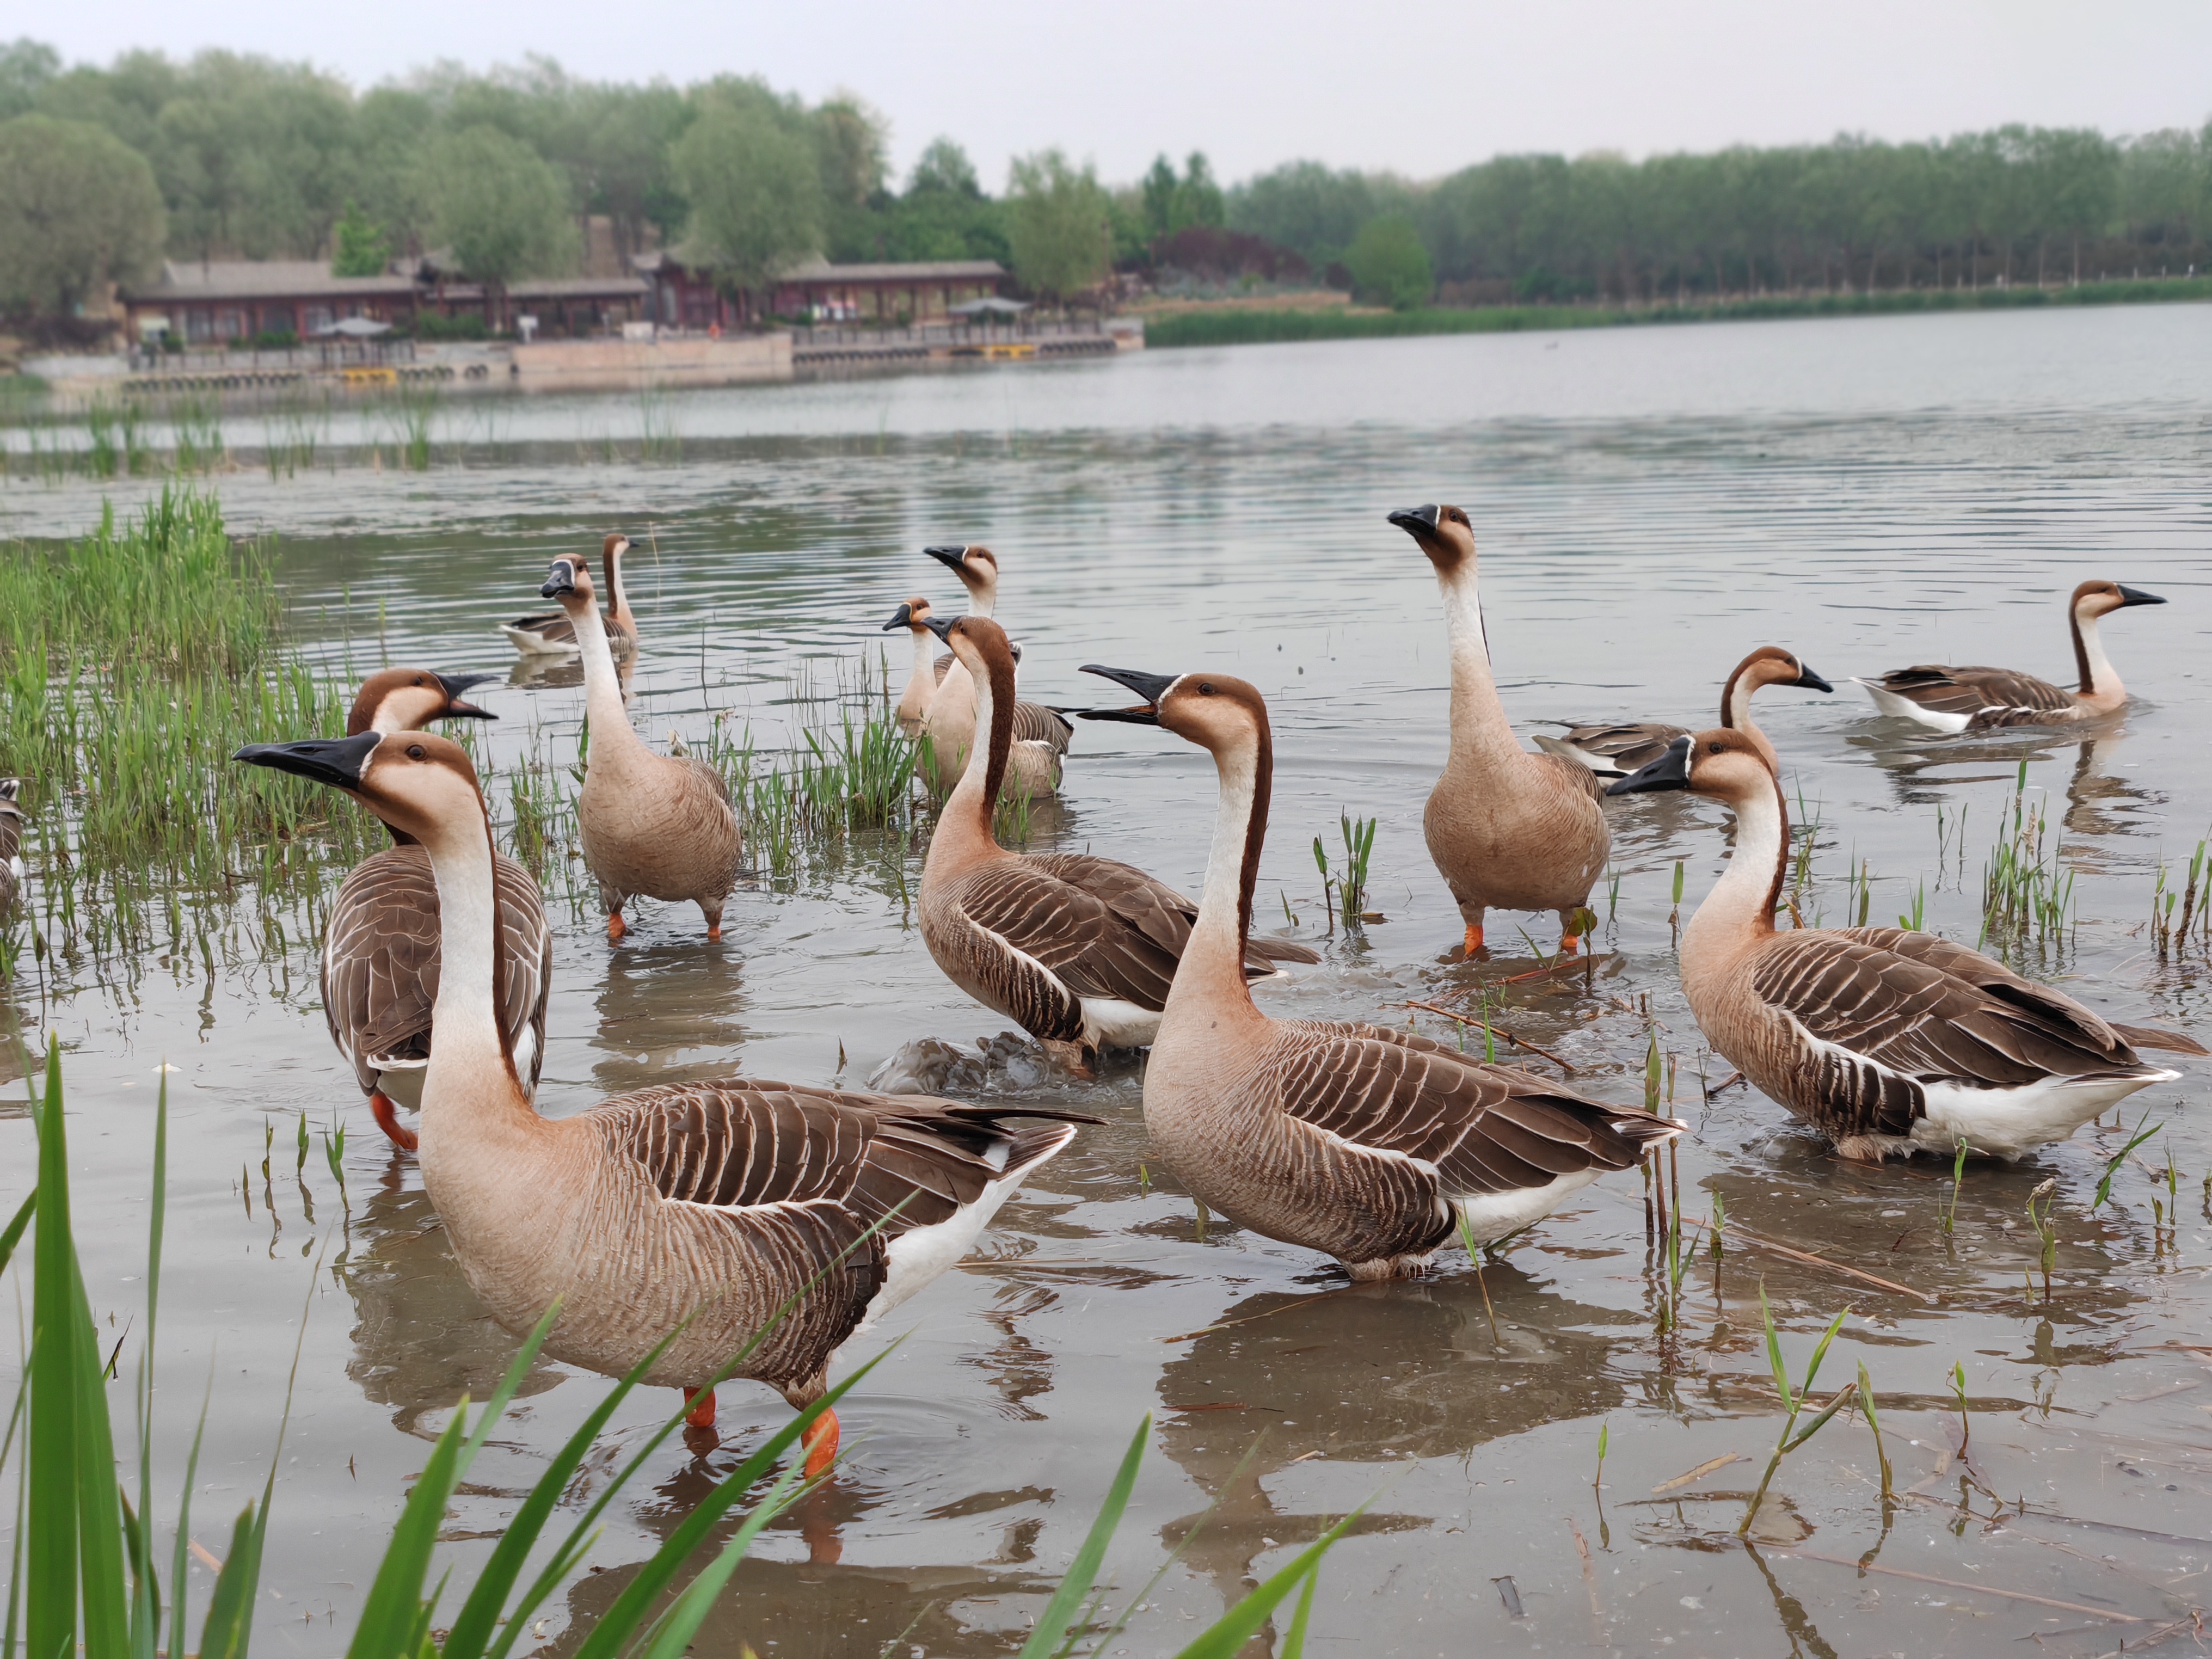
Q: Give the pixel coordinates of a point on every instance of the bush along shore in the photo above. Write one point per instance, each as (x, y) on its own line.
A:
(1238, 326)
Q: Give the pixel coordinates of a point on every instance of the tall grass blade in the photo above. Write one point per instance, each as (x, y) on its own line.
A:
(1294, 1644)
(1222, 1639)
(1083, 1572)
(673, 1637)
(51, 1600)
(230, 1611)
(14, 1235)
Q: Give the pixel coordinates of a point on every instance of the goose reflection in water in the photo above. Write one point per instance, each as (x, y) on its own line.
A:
(668, 1013)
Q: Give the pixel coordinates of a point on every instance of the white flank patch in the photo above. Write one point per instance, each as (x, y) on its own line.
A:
(1110, 1023)
(536, 645)
(526, 1050)
(15, 866)
(1491, 1216)
(1904, 708)
(401, 1080)
(2007, 1123)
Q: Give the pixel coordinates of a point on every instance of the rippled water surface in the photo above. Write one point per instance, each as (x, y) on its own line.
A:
(1649, 505)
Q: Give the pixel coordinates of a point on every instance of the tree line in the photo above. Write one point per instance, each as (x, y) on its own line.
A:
(103, 170)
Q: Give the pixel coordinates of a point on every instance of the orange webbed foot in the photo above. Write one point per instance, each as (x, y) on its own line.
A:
(821, 1443)
(387, 1119)
(1473, 939)
(1568, 943)
(701, 1402)
(615, 927)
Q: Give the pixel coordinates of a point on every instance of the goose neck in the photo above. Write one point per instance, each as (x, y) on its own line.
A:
(603, 695)
(2098, 679)
(1211, 976)
(975, 799)
(1740, 908)
(472, 1075)
(1479, 725)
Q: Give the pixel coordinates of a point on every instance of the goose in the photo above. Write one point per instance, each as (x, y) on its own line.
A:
(379, 970)
(654, 824)
(1370, 1145)
(553, 633)
(1041, 734)
(11, 843)
(741, 1207)
(1982, 699)
(1614, 751)
(1886, 1041)
(922, 683)
(1507, 830)
(1077, 950)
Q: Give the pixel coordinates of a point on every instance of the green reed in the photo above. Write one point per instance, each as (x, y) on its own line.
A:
(2026, 897)
(195, 432)
(1793, 1401)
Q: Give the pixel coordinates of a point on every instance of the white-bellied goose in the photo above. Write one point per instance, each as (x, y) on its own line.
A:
(1366, 1143)
(553, 633)
(657, 825)
(1041, 734)
(922, 683)
(721, 1203)
(1884, 1040)
(1509, 830)
(11, 843)
(380, 975)
(1077, 950)
(1614, 751)
(1982, 699)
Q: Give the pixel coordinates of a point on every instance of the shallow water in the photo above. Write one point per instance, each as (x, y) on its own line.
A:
(1651, 505)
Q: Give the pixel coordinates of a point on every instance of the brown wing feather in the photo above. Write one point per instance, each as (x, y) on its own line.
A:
(1035, 723)
(942, 666)
(1970, 690)
(11, 840)
(1628, 746)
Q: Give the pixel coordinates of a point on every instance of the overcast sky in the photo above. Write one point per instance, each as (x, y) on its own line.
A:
(1419, 86)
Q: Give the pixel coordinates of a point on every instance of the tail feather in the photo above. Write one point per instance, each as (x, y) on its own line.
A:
(2153, 1037)
(1280, 950)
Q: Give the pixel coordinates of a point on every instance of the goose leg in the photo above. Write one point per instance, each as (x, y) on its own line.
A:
(701, 1402)
(616, 929)
(1472, 915)
(821, 1443)
(1570, 941)
(713, 919)
(387, 1119)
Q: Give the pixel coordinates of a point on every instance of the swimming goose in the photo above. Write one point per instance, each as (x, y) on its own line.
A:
(1507, 830)
(11, 843)
(1884, 1040)
(1366, 1143)
(1041, 734)
(922, 683)
(1614, 751)
(379, 973)
(1077, 950)
(654, 824)
(552, 634)
(716, 1203)
(1981, 699)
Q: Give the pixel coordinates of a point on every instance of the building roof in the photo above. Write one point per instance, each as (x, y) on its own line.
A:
(187, 280)
(821, 271)
(576, 287)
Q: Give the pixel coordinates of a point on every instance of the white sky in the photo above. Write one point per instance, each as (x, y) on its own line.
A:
(1419, 86)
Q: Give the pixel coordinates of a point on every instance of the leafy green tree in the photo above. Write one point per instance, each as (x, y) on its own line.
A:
(755, 185)
(360, 248)
(1158, 190)
(26, 67)
(499, 205)
(1389, 265)
(1059, 222)
(944, 167)
(78, 210)
(1311, 209)
(1197, 199)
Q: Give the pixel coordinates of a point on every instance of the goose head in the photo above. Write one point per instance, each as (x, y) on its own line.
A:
(980, 644)
(976, 566)
(2095, 599)
(1219, 712)
(1441, 532)
(913, 615)
(1722, 763)
(418, 783)
(569, 581)
(1770, 666)
(408, 699)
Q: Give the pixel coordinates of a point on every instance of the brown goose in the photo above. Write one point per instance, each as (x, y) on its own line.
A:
(1368, 1144)
(650, 823)
(11, 843)
(1507, 830)
(1041, 734)
(1982, 699)
(1077, 950)
(716, 1203)
(922, 683)
(1885, 1040)
(381, 944)
(1614, 751)
(551, 633)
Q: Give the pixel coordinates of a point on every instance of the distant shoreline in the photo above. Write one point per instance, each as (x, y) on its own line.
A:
(1233, 325)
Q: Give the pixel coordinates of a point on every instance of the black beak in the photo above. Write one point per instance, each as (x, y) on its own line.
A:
(941, 626)
(957, 557)
(1811, 680)
(1416, 521)
(2136, 596)
(335, 760)
(902, 617)
(455, 684)
(561, 579)
(1670, 771)
(1151, 687)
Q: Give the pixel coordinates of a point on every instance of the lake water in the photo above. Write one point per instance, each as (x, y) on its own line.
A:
(1650, 504)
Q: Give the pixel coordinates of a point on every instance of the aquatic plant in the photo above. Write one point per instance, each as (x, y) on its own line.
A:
(1874, 1424)
(1793, 1401)
(2025, 896)
(2046, 1230)
(2113, 1164)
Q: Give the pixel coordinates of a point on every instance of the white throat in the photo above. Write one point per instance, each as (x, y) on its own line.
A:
(967, 793)
(466, 1016)
(1738, 903)
(602, 697)
(2104, 683)
(1479, 725)
(1213, 965)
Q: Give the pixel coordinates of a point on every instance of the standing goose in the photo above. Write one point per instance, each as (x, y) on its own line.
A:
(1886, 1041)
(1614, 751)
(1980, 699)
(552, 634)
(1368, 1144)
(379, 974)
(11, 843)
(922, 683)
(650, 823)
(1041, 734)
(1507, 830)
(721, 1203)
(1079, 951)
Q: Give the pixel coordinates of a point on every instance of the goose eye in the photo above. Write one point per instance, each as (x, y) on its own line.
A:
(1715, 748)
(1205, 687)
(414, 751)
